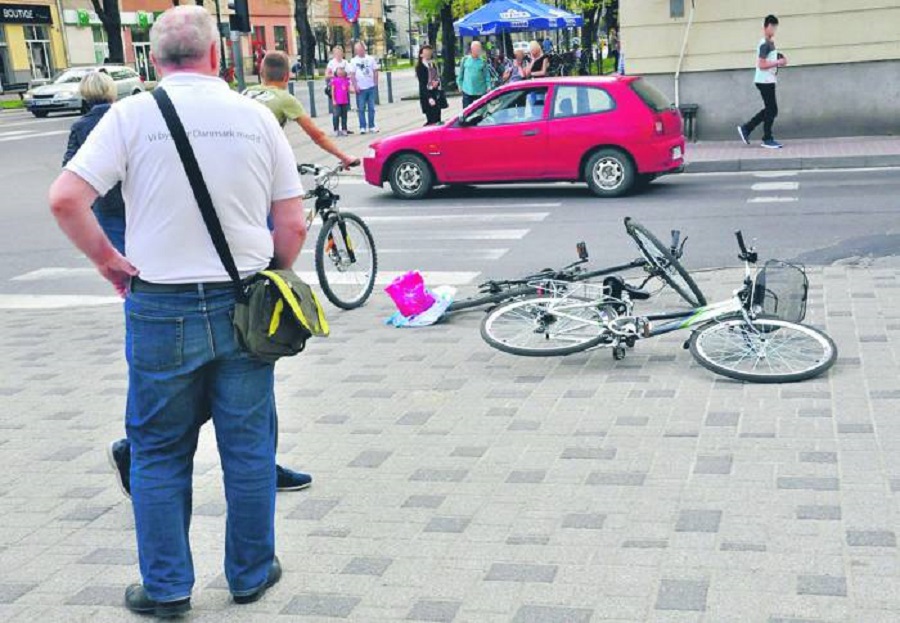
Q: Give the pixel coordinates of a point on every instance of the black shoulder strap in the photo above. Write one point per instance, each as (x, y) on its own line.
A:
(198, 185)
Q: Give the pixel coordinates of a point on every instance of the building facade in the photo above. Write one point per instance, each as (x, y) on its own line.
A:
(843, 76)
(330, 27)
(31, 41)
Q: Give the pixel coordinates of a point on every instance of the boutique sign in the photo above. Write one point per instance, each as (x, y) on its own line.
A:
(25, 14)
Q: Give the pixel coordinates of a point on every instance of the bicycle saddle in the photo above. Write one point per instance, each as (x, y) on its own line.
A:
(617, 286)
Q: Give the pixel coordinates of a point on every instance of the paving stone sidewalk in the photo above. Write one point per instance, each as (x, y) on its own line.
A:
(456, 483)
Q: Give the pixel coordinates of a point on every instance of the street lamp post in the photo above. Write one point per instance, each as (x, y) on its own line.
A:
(221, 38)
(409, 28)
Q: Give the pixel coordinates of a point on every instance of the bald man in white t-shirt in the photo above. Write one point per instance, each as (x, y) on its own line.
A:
(184, 361)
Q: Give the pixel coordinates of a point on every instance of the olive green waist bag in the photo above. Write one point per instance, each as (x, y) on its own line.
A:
(276, 312)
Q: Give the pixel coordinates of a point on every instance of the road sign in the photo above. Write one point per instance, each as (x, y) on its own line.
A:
(350, 9)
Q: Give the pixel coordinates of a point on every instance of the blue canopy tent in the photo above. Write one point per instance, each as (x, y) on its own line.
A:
(502, 16)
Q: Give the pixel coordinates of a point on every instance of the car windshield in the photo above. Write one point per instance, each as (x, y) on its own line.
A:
(70, 77)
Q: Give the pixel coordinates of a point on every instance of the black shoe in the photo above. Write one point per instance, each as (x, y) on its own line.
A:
(743, 134)
(272, 580)
(137, 601)
(289, 480)
(119, 455)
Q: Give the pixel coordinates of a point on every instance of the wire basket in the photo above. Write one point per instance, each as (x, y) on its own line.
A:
(781, 290)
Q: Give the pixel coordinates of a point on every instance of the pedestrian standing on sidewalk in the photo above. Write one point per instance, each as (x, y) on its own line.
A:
(363, 73)
(429, 78)
(98, 91)
(183, 359)
(474, 74)
(340, 101)
(519, 69)
(540, 62)
(768, 60)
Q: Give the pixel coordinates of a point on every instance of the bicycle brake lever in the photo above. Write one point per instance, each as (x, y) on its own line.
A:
(681, 248)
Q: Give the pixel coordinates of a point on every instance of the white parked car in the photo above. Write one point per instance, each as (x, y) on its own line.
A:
(521, 45)
(62, 94)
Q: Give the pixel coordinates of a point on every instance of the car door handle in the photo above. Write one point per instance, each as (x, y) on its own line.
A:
(530, 132)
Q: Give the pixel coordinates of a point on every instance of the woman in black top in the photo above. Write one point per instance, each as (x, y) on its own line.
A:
(430, 94)
(540, 64)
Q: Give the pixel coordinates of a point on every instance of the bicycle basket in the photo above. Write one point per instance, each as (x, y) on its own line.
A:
(781, 290)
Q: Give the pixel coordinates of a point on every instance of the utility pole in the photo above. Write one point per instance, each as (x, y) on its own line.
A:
(409, 28)
(238, 60)
(221, 38)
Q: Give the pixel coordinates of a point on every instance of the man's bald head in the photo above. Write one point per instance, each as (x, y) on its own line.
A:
(183, 37)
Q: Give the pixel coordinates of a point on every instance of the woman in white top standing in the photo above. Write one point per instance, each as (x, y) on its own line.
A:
(337, 62)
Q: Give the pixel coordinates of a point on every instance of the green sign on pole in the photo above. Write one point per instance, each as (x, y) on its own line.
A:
(84, 18)
(143, 20)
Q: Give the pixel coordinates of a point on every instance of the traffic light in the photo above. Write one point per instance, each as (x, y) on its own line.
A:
(239, 20)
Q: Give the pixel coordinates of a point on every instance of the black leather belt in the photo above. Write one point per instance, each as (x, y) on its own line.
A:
(139, 285)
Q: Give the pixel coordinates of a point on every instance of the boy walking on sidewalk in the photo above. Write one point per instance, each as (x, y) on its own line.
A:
(768, 60)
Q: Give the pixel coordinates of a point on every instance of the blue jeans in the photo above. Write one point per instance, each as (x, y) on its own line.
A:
(365, 102)
(114, 227)
(184, 364)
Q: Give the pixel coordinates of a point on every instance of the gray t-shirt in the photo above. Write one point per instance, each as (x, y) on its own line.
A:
(765, 50)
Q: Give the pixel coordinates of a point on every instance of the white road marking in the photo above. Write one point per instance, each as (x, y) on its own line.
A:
(427, 206)
(54, 301)
(772, 199)
(774, 186)
(14, 132)
(482, 217)
(33, 135)
(490, 234)
(473, 254)
(56, 272)
(432, 277)
(765, 174)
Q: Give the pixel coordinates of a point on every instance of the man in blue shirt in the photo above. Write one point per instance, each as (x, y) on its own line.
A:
(768, 60)
(474, 75)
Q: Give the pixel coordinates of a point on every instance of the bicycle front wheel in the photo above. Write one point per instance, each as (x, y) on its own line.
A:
(346, 262)
(767, 350)
(544, 327)
(669, 269)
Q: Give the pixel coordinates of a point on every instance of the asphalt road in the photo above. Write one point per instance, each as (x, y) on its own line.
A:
(462, 236)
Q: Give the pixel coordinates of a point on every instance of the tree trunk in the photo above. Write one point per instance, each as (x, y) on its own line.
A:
(307, 38)
(434, 27)
(112, 25)
(448, 46)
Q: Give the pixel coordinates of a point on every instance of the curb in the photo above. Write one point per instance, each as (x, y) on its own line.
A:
(792, 164)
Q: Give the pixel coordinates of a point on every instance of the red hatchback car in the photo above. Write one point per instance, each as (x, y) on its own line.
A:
(614, 133)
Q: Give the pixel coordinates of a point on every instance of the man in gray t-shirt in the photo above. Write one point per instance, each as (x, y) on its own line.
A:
(768, 60)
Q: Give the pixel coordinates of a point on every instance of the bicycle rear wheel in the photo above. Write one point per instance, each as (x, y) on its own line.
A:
(670, 269)
(346, 262)
(544, 327)
(767, 350)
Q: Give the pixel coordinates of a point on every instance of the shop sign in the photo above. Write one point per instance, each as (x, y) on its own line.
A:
(143, 20)
(25, 14)
(84, 18)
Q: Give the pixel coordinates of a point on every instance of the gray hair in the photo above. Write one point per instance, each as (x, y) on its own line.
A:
(97, 87)
(182, 35)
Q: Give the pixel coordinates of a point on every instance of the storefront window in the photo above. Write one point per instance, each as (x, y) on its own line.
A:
(37, 41)
(281, 38)
(101, 47)
(5, 73)
(141, 41)
(259, 35)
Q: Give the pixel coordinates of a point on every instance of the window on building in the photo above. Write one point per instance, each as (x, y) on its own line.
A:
(5, 72)
(101, 45)
(37, 42)
(281, 40)
(574, 101)
(259, 35)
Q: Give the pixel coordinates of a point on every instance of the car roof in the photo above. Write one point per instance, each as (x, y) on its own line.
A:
(588, 80)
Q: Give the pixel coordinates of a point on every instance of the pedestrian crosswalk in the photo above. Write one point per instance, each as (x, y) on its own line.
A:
(780, 191)
(450, 242)
(20, 125)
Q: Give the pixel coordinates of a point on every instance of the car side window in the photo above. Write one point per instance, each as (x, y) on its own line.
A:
(575, 101)
(516, 106)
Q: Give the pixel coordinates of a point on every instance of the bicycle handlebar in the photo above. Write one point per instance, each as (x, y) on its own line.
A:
(740, 240)
(746, 255)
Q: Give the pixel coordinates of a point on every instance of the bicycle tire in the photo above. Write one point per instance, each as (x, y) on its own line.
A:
(487, 327)
(322, 242)
(701, 355)
(692, 294)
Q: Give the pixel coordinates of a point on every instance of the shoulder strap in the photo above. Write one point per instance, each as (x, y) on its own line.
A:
(198, 185)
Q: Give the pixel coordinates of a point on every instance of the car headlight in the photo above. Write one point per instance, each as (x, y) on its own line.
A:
(370, 153)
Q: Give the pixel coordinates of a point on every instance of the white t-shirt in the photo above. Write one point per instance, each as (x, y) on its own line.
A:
(334, 65)
(363, 69)
(246, 162)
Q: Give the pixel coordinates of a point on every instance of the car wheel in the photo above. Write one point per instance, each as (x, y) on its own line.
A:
(609, 173)
(410, 177)
(40, 114)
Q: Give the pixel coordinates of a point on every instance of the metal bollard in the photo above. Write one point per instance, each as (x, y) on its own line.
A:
(378, 95)
(312, 97)
(291, 87)
(390, 85)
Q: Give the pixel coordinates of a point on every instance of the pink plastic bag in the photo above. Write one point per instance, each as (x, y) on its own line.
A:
(409, 294)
